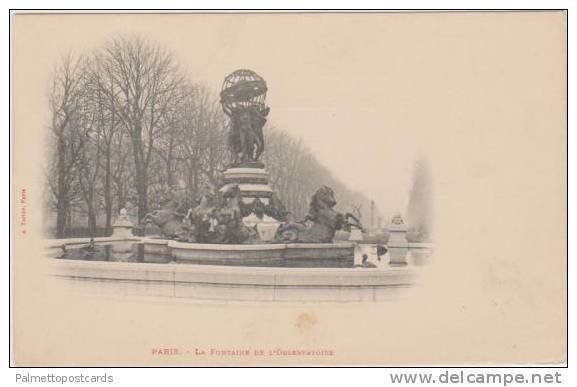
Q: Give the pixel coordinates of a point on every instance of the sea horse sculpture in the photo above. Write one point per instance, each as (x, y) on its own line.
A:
(169, 220)
(321, 223)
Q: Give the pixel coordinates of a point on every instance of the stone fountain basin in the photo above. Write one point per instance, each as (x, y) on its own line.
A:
(231, 283)
(341, 252)
(234, 283)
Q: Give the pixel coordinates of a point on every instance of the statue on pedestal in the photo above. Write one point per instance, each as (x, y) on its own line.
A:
(243, 100)
(122, 227)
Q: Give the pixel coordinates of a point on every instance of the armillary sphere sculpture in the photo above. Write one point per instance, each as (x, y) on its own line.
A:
(243, 97)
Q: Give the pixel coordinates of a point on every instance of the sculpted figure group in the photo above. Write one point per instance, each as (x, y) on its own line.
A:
(218, 218)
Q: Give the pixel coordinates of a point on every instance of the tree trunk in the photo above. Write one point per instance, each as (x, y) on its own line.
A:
(91, 219)
(120, 197)
(142, 191)
(62, 199)
(195, 183)
(108, 193)
(141, 172)
(189, 186)
(169, 169)
(61, 215)
(69, 220)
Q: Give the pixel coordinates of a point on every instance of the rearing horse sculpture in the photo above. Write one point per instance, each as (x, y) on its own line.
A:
(321, 223)
(169, 220)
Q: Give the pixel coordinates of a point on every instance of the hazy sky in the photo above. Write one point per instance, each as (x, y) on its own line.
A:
(364, 92)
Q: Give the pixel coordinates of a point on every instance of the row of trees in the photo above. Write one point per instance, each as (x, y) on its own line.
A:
(128, 126)
(296, 174)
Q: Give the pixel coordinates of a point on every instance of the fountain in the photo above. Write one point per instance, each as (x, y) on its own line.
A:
(239, 242)
(244, 220)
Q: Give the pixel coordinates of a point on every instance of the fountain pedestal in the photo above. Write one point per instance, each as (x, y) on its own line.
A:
(398, 244)
(252, 180)
(122, 228)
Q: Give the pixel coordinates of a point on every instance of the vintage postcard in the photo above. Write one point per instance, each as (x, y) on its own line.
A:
(304, 188)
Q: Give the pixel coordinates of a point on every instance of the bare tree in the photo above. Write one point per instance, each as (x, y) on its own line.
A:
(201, 150)
(167, 148)
(148, 83)
(103, 90)
(122, 175)
(216, 155)
(89, 164)
(65, 100)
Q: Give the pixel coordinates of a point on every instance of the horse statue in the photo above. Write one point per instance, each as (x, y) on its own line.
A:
(169, 220)
(321, 223)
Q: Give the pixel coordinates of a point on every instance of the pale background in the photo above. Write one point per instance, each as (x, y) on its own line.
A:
(482, 95)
